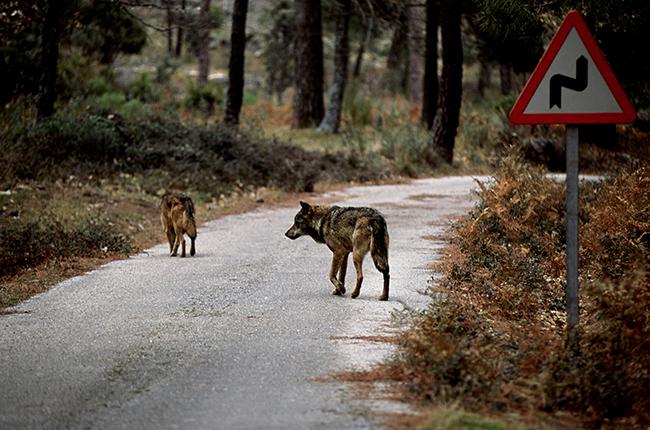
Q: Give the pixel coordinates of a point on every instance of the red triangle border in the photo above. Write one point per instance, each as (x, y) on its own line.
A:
(572, 20)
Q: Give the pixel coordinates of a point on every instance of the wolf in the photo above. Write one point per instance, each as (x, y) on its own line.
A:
(177, 218)
(346, 230)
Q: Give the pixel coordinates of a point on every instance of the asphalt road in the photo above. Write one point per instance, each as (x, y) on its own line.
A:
(238, 337)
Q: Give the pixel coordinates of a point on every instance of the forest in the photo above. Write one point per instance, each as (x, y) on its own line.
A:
(106, 104)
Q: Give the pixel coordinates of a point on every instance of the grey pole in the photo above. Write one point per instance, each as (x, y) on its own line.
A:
(572, 306)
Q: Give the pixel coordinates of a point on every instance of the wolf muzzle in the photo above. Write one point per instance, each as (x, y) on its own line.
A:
(292, 233)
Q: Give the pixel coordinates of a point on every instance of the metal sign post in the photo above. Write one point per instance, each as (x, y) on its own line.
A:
(572, 84)
(572, 302)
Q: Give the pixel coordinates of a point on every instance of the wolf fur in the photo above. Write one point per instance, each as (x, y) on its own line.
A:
(346, 230)
(177, 218)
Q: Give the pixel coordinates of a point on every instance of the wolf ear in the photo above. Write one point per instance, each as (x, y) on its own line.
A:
(305, 206)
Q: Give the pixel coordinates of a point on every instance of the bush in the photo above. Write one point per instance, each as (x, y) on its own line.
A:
(407, 147)
(208, 159)
(28, 243)
(357, 108)
(118, 103)
(203, 97)
(64, 144)
(611, 375)
(498, 295)
(110, 101)
(144, 89)
(496, 339)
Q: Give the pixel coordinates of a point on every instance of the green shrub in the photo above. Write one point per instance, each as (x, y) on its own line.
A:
(203, 97)
(97, 86)
(110, 102)
(135, 109)
(357, 108)
(118, 103)
(144, 89)
(407, 147)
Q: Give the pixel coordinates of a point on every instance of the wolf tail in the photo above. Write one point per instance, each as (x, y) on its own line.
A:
(190, 223)
(379, 244)
(379, 251)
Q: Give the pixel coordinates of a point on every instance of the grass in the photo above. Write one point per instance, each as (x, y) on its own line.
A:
(445, 418)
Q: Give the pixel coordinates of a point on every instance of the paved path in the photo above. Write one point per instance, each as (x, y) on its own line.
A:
(233, 338)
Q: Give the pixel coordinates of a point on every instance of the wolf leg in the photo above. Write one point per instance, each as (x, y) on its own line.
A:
(337, 261)
(379, 253)
(357, 259)
(384, 294)
(192, 248)
(171, 238)
(182, 244)
(343, 270)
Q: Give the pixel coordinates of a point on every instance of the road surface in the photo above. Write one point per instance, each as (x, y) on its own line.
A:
(240, 336)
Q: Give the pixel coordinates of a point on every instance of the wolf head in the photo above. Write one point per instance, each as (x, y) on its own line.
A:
(303, 222)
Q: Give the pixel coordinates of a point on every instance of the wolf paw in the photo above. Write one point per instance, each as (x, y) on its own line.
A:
(338, 292)
(354, 294)
(383, 297)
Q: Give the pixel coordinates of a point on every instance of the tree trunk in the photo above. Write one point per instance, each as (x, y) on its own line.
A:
(332, 119)
(416, 23)
(308, 109)
(451, 83)
(50, 33)
(430, 82)
(505, 73)
(170, 24)
(483, 76)
(358, 62)
(235, 93)
(204, 41)
(397, 53)
(179, 32)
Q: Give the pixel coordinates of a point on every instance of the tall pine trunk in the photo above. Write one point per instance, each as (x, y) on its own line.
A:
(365, 39)
(308, 109)
(170, 24)
(179, 32)
(204, 41)
(397, 53)
(430, 82)
(415, 17)
(235, 93)
(484, 76)
(332, 119)
(505, 75)
(50, 34)
(446, 121)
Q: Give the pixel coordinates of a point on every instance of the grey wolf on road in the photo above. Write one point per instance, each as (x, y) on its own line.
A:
(177, 218)
(346, 230)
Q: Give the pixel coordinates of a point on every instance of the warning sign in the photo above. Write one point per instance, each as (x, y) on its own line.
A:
(573, 83)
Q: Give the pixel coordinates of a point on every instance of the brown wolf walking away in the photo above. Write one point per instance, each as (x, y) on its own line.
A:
(177, 218)
(346, 230)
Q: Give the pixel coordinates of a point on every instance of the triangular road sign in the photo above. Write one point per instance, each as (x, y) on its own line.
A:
(573, 83)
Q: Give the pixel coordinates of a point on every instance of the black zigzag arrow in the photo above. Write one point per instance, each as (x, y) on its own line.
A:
(579, 83)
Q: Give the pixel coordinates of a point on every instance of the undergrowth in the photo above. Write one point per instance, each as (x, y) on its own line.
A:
(25, 244)
(496, 341)
(169, 153)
